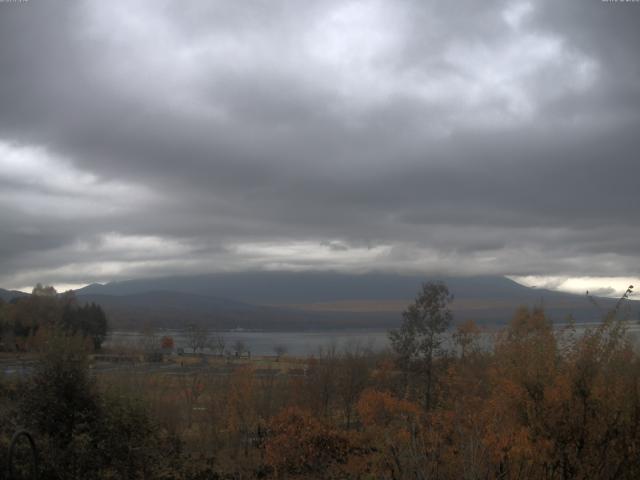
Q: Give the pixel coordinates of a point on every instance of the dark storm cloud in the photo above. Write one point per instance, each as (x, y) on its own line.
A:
(160, 137)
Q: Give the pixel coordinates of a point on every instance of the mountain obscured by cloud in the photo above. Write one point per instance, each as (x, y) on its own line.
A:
(159, 138)
(320, 300)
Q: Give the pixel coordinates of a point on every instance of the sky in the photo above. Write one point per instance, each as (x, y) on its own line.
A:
(151, 138)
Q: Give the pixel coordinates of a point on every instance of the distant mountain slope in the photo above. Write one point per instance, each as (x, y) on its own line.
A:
(164, 308)
(177, 309)
(306, 287)
(282, 300)
(7, 295)
(316, 301)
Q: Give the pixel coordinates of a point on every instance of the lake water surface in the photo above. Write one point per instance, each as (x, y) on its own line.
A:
(309, 343)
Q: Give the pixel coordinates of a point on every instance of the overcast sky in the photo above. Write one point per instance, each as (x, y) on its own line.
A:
(149, 138)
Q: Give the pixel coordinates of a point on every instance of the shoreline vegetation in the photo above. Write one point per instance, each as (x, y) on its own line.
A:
(541, 403)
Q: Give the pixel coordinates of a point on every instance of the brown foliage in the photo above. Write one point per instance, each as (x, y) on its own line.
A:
(542, 404)
(300, 444)
(167, 343)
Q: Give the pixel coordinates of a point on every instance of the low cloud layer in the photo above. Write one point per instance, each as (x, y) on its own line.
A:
(159, 137)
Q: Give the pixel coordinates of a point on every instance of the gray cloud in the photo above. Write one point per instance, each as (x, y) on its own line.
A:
(163, 137)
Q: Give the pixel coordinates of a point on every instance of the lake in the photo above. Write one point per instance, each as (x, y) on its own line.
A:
(264, 343)
(309, 343)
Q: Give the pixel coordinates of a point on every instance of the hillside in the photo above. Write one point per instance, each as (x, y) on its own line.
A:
(8, 295)
(307, 287)
(282, 301)
(317, 301)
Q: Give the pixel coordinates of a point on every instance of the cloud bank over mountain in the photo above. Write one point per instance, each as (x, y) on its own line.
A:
(161, 138)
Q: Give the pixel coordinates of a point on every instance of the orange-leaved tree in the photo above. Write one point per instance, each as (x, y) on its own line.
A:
(393, 429)
(299, 444)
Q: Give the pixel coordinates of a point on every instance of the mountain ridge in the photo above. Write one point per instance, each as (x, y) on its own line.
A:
(304, 287)
(276, 300)
(317, 301)
(8, 295)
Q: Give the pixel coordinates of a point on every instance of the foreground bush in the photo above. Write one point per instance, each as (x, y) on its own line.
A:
(82, 433)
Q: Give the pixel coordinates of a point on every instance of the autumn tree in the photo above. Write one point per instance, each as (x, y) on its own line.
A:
(241, 407)
(167, 343)
(197, 337)
(321, 380)
(527, 350)
(217, 343)
(352, 372)
(419, 339)
(301, 445)
(523, 371)
(393, 435)
(466, 337)
(594, 404)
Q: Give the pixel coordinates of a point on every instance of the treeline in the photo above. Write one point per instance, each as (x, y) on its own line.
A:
(539, 403)
(27, 321)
